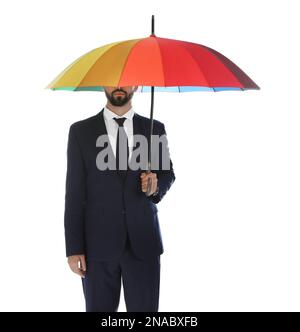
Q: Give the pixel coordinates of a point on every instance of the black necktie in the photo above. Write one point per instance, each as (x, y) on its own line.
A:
(122, 133)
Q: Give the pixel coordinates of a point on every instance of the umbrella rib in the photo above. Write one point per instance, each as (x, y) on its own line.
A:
(101, 57)
(58, 77)
(161, 61)
(197, 64)
(211, 51)
(140, 40)
(94, 62)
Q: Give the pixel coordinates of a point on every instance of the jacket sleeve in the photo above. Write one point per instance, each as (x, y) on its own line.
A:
(75, 196)
(165, 178)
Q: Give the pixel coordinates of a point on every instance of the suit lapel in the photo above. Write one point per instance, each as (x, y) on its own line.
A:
(138, 129)
(100, 128)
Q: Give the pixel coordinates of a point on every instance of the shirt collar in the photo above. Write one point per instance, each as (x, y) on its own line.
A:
(108, 114)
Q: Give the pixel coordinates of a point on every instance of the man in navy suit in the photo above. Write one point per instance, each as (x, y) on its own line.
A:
(112, 229)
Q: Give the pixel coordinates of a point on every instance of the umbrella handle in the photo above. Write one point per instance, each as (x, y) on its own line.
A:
(149, 184)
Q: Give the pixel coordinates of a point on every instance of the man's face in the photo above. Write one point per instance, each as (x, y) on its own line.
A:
(119, 96)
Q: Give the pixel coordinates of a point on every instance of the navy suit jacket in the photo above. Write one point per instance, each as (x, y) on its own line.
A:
(100, 207)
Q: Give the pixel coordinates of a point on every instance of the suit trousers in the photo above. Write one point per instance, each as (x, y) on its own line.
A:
(140, 279)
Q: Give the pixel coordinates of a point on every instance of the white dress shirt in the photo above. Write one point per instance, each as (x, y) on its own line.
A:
(112, 127)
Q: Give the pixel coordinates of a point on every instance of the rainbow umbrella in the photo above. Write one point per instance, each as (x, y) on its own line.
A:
(153, 64)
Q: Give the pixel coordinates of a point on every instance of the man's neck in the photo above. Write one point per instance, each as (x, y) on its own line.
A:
(119, 110)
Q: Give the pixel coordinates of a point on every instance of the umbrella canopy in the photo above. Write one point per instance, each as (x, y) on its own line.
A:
(169, 65)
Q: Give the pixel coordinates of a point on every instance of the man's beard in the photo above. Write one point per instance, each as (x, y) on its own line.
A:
(118, 100)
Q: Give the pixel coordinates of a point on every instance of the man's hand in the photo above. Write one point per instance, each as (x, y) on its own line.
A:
(77, 264)
(144, 180)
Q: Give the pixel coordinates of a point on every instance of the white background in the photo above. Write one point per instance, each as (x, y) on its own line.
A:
(230, 223)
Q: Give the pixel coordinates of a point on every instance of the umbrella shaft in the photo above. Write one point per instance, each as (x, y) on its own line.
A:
(151, 128)
(152, 25)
